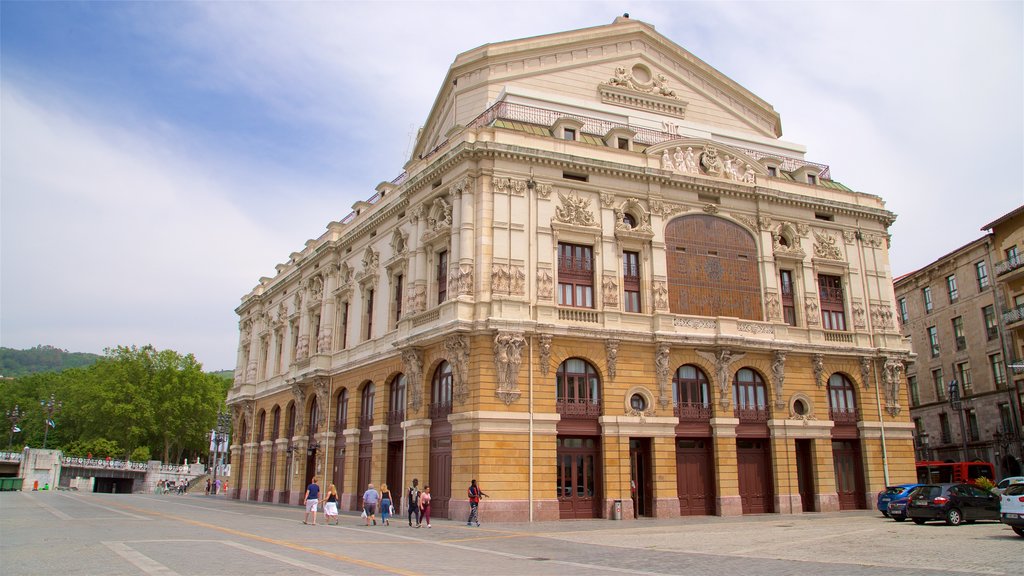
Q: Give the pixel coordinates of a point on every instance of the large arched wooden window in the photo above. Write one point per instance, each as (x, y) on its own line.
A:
(712, 268)
(441, 390)
(341, 408)
(690, 393)
(314, 417)
(366, 411)
(841, 404)
(262, 429)
(577, 389)
(275, 423)
(750, 395)
(396, 400)
(290, 426)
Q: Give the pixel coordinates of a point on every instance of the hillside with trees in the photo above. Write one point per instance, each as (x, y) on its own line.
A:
(132, 402)
(42, 358)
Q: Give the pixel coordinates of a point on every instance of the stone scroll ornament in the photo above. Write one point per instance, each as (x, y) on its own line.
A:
(893, 374)
(508, 356)
(457, 349)
(723, 361)
(412, 362)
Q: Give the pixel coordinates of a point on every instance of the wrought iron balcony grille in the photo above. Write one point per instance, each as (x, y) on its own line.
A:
(1009, 265)
(751, 413)
(578, 408)
(692, 411)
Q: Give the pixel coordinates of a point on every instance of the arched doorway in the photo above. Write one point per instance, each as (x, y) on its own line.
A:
(578, 471)
(340, 424)
(254, 491)
(363, 474)
(695, 465)
(441, 440)
(846, 452)
(396, 446)
(275, 430)
(312, 446)
(753, 447)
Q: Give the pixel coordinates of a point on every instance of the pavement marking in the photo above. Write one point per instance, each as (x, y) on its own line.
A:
(140, 560)
(284, 559)
(84, 500)
(47, 507)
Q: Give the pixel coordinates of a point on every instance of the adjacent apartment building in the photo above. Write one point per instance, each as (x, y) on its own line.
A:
(958, 312)
(603, 284)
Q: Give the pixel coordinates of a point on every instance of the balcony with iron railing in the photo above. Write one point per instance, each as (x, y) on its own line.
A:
(841, 416)
(365, 422)
(440, 410)
(394, 417)
(751, 413)
(1013, 315)
(1009, 265)
(570, 408)
(692, 411)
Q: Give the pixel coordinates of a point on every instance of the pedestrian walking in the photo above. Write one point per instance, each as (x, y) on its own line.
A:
(386, 505)
(413, 502)
(474, 493)
(207, 486)
(312, 499)
(370, 499)
(425, 504)
(331, 505)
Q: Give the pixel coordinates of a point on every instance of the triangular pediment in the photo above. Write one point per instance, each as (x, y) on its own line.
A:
(625, 67)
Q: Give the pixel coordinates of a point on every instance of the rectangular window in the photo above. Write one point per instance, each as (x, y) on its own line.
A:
(940, 386)
(1005, 418)
(933, 340)
(344, 325)
(982, 271)
(788, 306)
(903, 310)
(279, 352)
(812, 179)
(631, 281)
(369, 313)
(623, 143)
(963, 371)
(568, 134)
(954, 293)
(972, 425)
(927, 293)
(1011, 255)
(442, 276)
(397, 305)
(991, 329)
(294, 328)
(575, 275)
(947, 434)
(830, 291)
(915, 394)
(998, 370)
(958, 333)
(773, 171)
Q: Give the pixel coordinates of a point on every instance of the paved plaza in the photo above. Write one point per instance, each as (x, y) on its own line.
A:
(71, 533)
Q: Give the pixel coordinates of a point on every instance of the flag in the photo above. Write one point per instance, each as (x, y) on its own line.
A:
(15, 429)
(50, 422)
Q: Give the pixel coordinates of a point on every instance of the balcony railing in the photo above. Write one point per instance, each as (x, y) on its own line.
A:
(1014, 315)
(838, 336)
(440, 410)
(578, 315)
(843, 416)
(1009, 265)
(690, 411)
(578, 409)
(365, 422)
(751, 413)
(394, 417)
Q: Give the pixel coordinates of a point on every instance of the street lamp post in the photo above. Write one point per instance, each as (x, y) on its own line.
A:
(50, 407)
(957, 405)
(223, 421)
(14, 416)
(924, 440)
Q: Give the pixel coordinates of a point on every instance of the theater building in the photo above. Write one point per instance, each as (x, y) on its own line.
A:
(602, 280)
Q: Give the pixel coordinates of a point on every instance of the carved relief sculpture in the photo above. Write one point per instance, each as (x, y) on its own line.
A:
(545, 284)
(508, 347)
(574, 210)
(722, 360)
(412, 363)
(302, 348)
(666, 161)
(881, 316)
(771, 301)
(660, 290)
(711, 163)
(818, 363)
(611, 349)
(858, 316)
(826, 247)
(661, 371)
(545, 353)
(811, 306)
(324, 340)
(300, 407)
(320, 391)
(778, 377)
(250, 372)
(465, 279)
(865, 371)
(893, 375)
(610, 292)
(457, 350)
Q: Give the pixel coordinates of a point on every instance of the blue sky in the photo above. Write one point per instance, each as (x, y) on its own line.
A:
(156, 159)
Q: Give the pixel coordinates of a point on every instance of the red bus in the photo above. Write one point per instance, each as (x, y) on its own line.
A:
(935, 472)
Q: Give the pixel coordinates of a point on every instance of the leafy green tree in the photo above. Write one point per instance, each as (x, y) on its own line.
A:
(96, 448)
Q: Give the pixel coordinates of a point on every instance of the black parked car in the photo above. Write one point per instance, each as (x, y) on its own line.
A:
(954, 503)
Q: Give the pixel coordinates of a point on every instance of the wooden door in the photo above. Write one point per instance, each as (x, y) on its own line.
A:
(805, 474)
(365, 468)
(849, 474)
(394, 480)
(578, 478)
(339, 469)
(440, 476)
(754, 472)
(695, 476)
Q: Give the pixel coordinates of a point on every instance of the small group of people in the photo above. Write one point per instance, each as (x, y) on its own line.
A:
(418, 503)
(215, 487)
(171, 487)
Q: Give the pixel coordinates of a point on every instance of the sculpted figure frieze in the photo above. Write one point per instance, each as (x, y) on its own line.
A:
(574, 210)
(412, 363)
(722, 360)
(545, 353)
(508, 347)
(457, 350)
(825, 246)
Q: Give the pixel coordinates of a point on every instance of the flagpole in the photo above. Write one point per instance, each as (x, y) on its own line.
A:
(51, 407)
(14, 416)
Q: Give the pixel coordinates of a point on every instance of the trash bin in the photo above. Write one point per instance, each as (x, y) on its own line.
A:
(16, 484)
(617, 510)
(6, 485)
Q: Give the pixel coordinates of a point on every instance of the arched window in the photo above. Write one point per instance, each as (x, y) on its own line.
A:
(690, 397)
(841, 404)
(262, 427)
(275, 424)
(366, 413)
(577, 389)
(314, 417)
(291, 420)
(441, 387)
(629, 220)
(396, 405)
(749, 390)
(341, 414)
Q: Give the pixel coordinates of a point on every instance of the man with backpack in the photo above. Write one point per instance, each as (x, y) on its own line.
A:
(413, 502)
(474, 494)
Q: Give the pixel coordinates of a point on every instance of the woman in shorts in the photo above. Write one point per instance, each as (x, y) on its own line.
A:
(331, 505)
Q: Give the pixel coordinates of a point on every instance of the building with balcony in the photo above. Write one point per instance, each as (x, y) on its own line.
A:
(602, 277)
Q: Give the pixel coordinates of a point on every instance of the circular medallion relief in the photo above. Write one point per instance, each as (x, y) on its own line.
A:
(641, 73)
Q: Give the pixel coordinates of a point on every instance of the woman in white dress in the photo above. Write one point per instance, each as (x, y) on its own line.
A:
(331, 505)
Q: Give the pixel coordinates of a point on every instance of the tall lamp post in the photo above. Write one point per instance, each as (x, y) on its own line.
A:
(14, 416)
(958, 406)
(219, 436)
(50, 407)
(924, 441)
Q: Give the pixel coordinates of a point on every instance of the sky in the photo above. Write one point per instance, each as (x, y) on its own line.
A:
(157, 159)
